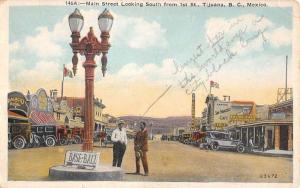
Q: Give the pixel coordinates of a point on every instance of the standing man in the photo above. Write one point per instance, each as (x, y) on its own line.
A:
(251, 145)
(119, 138)
(141, 148)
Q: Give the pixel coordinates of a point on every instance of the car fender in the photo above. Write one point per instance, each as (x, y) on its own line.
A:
(19, 136)
(53, 136)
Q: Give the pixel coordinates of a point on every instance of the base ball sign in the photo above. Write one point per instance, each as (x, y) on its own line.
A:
(78, 159)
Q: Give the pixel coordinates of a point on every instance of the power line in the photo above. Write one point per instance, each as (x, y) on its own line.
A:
(156, 100)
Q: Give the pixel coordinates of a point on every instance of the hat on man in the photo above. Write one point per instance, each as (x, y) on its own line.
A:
(121, 122)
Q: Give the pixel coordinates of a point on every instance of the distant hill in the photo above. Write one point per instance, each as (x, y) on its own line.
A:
(159, 125)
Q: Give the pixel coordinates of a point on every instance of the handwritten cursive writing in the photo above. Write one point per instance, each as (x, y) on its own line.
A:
(219, 50)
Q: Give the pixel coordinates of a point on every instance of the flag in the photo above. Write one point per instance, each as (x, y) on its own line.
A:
(214, 84)
(68, 73)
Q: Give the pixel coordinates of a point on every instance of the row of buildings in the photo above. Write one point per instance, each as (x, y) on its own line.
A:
(39, 108)
(269, 126)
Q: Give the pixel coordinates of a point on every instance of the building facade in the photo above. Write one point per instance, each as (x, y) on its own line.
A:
(273, 129)
(220, 114)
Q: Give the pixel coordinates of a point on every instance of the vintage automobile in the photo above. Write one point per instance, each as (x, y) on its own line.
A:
(197, 137)
(107, 139)
(9, 141)
(77, 134)
(66, 135)
(216, 140)
(46, 134)
(19, 134)
(187, 138)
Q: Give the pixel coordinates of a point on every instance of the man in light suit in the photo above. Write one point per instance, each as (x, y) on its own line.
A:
(119, 139)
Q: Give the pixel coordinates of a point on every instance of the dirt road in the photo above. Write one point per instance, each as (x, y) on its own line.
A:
(168, 161)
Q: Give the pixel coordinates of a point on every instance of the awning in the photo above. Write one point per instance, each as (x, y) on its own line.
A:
(13, 115)
(42, 118)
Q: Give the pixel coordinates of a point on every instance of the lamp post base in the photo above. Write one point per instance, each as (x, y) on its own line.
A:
(102, 173)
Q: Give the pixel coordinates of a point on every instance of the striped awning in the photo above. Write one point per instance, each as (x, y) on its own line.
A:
(42, 118)
(13, 115)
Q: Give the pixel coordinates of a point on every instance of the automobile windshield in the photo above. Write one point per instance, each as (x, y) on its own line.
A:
(219, 135)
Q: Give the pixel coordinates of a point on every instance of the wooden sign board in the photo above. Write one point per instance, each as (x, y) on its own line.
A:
(87, 160)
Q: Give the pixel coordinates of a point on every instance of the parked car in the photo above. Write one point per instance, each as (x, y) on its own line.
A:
(18, 135)
(77, 134)
(217, 140)
(46, 134)
(9, 141)
(107, 139)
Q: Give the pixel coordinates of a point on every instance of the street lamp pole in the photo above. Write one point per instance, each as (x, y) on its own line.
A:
(89, 46)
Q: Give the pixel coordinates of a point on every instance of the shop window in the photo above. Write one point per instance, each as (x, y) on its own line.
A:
(58, 116)
(257, 135)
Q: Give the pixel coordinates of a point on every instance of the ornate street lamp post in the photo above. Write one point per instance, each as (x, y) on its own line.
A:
(89, 46)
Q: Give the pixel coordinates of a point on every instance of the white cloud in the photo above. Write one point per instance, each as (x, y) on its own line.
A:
(15, 66)
(43, 45)
(146, 34)
(135, 32)
(149, 73)
(14, 47)
(280, 36)
(44, 73)
(251, 24)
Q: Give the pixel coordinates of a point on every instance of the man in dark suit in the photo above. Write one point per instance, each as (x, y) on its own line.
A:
(141, 148)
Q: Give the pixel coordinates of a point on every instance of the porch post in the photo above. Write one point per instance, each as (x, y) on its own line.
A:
(277, 137)
(290, 139)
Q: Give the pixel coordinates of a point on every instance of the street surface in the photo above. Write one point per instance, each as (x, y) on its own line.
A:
(168, 161)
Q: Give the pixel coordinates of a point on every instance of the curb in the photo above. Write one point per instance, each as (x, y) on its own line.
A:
(272, 154)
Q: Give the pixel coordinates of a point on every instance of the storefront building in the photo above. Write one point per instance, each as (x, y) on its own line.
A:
(41, 108)
(275, 132)
(72, 108)
(17, 107)
(223, 113)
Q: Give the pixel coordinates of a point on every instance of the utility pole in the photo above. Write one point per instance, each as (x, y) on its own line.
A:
(193, 111)
(286, 89)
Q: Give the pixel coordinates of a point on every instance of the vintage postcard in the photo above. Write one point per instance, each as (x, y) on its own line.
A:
(150, 93)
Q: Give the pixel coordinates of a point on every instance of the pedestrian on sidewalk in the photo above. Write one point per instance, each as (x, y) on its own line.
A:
(119, 139)
(141, 148)
(262, 143)
(251, 145)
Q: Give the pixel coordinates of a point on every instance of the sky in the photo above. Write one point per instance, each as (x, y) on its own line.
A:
(147, 46)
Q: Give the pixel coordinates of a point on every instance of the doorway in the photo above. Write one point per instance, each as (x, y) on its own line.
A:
(283, 138)
(270, 139)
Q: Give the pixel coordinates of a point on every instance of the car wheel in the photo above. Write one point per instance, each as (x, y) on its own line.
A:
(214, 146)
(50, 142)
(240, 149)
(19, 143)
(77, 140)
(63, 141)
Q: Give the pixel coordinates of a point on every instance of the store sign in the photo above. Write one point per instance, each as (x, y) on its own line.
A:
(220, 126)
(17, 101)
(222, 111)
(87, 160)
(241, 118)
(42, 100)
